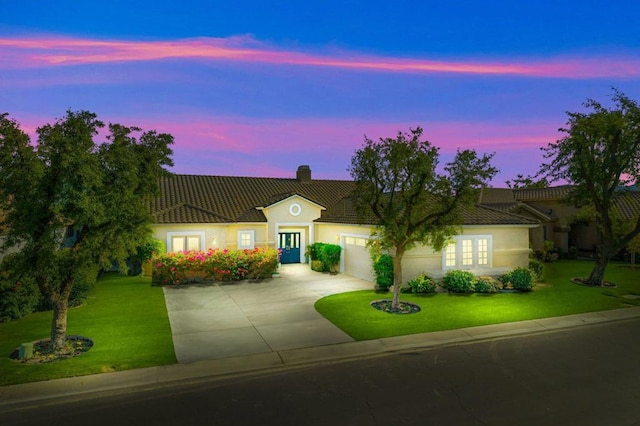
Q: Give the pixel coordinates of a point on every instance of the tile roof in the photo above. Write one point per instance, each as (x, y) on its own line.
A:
(628, 204)
(540, 194)
(496, 196)
(344, 212)
(228, 199)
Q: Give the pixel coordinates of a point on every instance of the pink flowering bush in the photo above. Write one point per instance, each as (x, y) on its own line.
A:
(214, 264)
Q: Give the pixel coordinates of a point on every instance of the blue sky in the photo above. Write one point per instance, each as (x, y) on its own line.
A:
(258, 88)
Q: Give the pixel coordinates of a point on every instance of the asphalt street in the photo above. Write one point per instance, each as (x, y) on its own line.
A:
(588, 376)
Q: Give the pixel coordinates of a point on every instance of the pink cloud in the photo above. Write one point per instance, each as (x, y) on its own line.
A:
(46, 52)
(244, 135)
(245, 146)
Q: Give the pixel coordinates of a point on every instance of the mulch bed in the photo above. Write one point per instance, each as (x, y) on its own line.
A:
(583, 282)
(43, 350)
(402, 309)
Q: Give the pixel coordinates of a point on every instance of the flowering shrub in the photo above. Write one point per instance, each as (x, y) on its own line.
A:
(423, 284)
(214, 264)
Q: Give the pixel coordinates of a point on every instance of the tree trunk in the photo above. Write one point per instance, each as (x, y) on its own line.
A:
(596, 278)
(397, 278)
(59, 322)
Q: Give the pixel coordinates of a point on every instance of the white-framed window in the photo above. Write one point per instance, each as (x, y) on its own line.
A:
(468, 252)
(185, 241)
(356, 241)
(450, 256)
(246, 239)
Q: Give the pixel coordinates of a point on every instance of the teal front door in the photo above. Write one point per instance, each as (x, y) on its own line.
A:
(290, 245)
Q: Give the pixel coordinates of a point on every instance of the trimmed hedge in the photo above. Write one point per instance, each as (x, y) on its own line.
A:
(214, 264)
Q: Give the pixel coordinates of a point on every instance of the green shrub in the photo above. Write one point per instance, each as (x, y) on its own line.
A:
(520, 279)
(317, 266)
(19, 297)
(79, 292)
(330, 256)
(422, 284)
(313, 251)
(383, 270)
(456, 281)
(486, 285)
(145, 252)
(537, 267)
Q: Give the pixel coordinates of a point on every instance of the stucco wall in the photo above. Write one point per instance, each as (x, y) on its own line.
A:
(215, 236)
(510, 248)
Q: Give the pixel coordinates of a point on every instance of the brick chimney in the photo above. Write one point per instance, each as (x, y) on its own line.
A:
(303, 175)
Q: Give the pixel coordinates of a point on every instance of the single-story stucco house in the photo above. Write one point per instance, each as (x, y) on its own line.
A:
(202, 212)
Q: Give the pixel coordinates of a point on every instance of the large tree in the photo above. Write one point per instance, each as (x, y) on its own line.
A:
(398, 183)
(72, 205)
(600, 156)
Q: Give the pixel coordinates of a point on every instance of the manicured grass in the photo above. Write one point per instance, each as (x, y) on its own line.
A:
(556, 296)
(125, 317)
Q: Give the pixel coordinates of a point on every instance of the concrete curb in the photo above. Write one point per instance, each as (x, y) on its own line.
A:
(252, 364)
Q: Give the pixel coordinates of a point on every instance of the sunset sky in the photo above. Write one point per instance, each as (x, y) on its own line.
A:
(257, 88)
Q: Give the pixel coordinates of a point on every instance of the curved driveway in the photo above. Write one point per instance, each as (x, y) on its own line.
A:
(218, 320)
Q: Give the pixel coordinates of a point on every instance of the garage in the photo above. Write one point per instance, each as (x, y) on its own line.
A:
(356, 258)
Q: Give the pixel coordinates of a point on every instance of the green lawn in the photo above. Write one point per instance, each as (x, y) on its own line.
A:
(125, 317)
(556, 296)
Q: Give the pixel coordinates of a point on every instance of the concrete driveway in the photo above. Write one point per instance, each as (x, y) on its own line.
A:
(218, 320)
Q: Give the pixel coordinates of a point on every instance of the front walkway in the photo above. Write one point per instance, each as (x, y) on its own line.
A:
(218, 320)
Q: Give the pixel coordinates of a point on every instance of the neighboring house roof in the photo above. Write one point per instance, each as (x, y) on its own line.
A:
(228, 199)
(551, 193)
(628, 204)
(504, 199)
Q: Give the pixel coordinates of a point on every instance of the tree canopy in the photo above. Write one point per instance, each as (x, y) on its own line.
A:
(72, 205)
(600, 156)
(399, 185)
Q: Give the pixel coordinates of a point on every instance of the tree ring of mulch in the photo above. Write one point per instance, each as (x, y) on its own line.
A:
(43, 351)
(404, 308)
(583, 282)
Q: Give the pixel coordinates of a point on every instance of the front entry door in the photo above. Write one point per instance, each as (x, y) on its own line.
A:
(290, 245)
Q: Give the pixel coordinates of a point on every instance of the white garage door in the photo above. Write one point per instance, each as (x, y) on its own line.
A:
(356, 258)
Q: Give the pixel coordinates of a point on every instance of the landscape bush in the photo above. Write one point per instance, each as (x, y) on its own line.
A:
(317, 266)
(330, 256)
(214, 264)
(486, 285)
(520, 279)
(537, 267)
(457, 281)
(327, 254)
(19, 297)
(383, 271)
(423, 284)
(313, 251)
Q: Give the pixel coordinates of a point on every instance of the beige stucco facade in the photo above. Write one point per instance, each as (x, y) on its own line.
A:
(507, 245)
